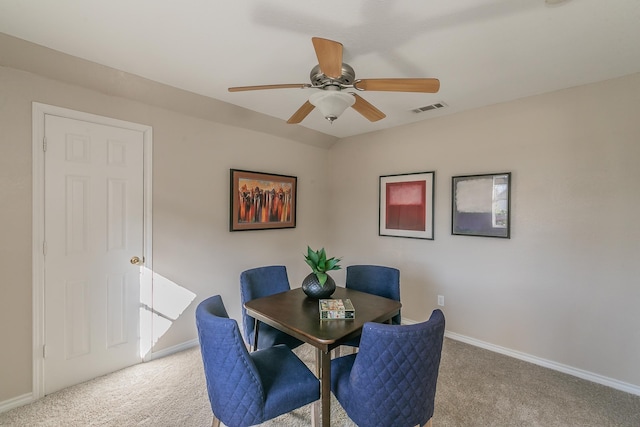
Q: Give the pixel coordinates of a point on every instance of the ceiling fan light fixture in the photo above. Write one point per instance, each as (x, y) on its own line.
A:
(331, 103)
(331, 76)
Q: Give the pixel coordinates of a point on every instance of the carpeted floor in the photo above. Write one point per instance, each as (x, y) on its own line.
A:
(476, 387)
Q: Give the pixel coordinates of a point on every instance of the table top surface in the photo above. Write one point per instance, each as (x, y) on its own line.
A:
(297, 315)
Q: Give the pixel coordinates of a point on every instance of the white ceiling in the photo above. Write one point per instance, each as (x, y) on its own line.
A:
(483, 51)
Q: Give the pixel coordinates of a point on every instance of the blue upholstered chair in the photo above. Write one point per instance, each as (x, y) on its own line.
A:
(391, 381)
(248, 388)
(261, 282)
(377, 280)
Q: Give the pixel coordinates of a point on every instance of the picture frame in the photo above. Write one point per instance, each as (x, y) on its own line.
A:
(262, 201)
(406, 205)
(481, 205)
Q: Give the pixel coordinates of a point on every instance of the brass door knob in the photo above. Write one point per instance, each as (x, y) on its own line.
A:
(135, 260)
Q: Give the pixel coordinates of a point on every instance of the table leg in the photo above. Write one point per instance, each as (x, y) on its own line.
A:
(316, 406)
(325, 387)
(321, 410)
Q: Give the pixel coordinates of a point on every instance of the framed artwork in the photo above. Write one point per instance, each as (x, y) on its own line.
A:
(481, 205)
(406, 205)
(262, 201)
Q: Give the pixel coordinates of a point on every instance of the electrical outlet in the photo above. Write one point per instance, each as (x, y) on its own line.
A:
(441, 300)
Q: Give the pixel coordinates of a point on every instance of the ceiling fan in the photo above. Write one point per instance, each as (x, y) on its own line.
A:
(332, 76)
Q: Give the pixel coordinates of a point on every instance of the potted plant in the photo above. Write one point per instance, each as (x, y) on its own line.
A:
(319, 284)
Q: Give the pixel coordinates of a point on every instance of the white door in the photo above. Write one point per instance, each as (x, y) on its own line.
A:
(93, 228)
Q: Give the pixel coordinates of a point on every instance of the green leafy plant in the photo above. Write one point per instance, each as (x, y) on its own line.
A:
(319, 264)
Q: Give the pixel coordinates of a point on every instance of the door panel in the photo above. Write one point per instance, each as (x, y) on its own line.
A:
(94, 223)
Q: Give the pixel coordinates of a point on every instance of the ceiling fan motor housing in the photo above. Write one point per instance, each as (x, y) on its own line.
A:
(318, 78)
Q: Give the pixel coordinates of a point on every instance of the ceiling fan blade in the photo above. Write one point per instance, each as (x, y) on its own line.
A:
(367, 109)
(399, 85)
(302, 112)
(329, 55)
(286, 86)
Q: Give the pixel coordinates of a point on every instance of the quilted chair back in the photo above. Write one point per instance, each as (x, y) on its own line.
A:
(377, 280)
(393, 378)
(233, 383)
(257, 283)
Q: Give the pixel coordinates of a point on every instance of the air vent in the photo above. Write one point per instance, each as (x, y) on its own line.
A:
(435, 106)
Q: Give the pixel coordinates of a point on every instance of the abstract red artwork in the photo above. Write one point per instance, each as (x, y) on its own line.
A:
(406, 205)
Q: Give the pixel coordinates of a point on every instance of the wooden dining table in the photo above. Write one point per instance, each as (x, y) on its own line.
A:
(296, 314)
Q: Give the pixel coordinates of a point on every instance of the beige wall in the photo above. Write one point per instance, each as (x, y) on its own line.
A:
(15, 240)
(191, 242)
(565, 287)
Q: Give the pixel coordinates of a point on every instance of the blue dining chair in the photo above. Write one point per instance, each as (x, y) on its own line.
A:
(376, 279)
(373, 279)
(391, 381)
(248, 388)
(261, 282)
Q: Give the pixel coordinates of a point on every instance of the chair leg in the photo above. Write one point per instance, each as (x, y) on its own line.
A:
(255, 334)
(216, 422)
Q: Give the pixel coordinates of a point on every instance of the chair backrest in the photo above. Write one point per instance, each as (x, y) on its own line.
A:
(233, 383)
(377, 280)
(260, 282)
(395, 372)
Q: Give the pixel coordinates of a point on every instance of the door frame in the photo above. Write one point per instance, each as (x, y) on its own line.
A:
(39, 111)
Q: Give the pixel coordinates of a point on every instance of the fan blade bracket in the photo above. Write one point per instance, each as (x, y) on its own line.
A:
(355, 86)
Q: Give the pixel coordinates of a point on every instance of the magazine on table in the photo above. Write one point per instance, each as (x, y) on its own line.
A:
(331, 309)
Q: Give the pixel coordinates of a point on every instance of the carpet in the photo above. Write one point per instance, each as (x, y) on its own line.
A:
(476, 387)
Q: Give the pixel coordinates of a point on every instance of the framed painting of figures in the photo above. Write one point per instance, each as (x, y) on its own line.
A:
(262, 201)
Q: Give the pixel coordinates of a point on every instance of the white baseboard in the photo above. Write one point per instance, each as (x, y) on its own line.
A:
(167, 351)
(14, 402)
(580, 373)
